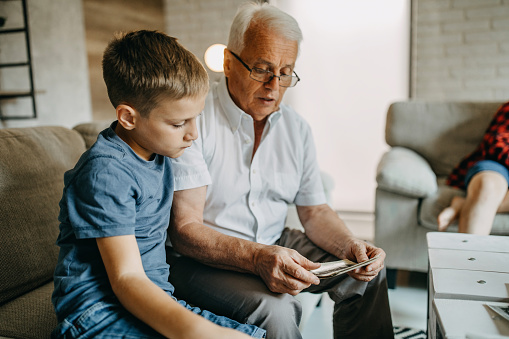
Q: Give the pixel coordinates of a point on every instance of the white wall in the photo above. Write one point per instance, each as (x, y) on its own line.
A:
(200, 23)
(354, 62)
(461, 50)
(59, 63)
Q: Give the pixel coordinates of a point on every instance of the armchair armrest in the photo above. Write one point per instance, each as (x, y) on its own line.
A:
(405, 172)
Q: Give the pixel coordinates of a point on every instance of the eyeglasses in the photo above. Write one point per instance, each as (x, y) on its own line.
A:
(264, 76)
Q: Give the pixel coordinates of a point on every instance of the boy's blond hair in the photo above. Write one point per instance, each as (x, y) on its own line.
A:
(139, 67)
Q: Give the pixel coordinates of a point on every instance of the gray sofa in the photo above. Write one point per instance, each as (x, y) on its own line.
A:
(32, 164)
(427, 140)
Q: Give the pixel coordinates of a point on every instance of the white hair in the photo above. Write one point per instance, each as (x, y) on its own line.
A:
(271, 17)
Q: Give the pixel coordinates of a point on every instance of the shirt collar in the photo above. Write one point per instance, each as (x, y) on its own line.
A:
(233, 113)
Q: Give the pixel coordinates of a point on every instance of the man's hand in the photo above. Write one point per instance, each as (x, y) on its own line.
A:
(284, 270)
(358, 250)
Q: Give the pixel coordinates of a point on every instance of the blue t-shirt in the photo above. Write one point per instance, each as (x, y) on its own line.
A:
(110, 192)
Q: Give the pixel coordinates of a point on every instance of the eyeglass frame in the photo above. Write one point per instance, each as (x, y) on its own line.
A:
(268, 72)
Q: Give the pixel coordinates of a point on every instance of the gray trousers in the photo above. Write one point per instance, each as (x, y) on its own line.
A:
(361, 309)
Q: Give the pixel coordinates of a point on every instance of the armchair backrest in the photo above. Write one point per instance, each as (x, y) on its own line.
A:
(442, 132)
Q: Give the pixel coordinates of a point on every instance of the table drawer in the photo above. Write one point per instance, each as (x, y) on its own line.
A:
(468, 319)
(469, 285)
(468, 242)
(469, 260)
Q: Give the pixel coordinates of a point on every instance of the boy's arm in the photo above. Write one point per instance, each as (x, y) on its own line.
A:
(147, 301)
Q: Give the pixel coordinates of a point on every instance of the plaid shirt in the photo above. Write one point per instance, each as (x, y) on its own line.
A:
(494, 146)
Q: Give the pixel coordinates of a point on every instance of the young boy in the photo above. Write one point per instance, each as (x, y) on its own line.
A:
(111, 279)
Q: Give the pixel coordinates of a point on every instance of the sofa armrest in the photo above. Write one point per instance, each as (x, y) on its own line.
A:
(405, 172)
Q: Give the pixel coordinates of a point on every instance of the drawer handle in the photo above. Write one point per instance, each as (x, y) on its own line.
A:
(481, 282)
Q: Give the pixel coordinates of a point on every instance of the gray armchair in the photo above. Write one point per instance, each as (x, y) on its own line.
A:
(427, 140)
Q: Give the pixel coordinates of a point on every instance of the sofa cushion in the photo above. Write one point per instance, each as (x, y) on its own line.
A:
(442, 132)
(431, 206)
(29, 316)
(90, 130)
(32, 165)
(405, 172)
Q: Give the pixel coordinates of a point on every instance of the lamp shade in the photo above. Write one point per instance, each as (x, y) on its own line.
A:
(214, 57)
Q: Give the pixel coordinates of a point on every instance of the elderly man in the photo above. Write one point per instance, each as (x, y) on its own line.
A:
(230, 251)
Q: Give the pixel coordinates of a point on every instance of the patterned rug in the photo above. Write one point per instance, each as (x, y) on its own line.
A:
(408, 333)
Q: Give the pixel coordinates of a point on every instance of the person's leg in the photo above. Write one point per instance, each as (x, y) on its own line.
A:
(252, 330)
(105, 319)
(239, 296)
(450, 213)
(485, 193)
(504, 205)
(361, 309)
(109, 319)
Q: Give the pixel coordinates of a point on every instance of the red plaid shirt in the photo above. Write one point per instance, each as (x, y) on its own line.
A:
(494, 146)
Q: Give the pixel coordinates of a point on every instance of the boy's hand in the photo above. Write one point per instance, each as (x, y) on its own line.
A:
(209, 330)
(228, 333)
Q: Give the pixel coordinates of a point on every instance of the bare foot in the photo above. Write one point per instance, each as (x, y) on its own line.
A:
(449, 214)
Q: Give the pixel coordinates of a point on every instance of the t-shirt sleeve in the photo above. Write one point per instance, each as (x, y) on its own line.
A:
(101, 201)
(311, 190)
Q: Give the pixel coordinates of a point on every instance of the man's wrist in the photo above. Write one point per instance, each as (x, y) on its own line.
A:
(345, 246)
(256, 257)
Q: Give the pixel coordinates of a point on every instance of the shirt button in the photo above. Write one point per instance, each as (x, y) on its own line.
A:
(254, 171)
(253, 204)
(247, 141)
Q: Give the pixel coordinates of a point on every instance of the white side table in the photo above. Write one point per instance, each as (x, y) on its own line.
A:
(465, 270)
(462, 241)
(468, 319)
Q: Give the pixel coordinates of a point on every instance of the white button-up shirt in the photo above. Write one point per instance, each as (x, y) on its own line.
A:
(248, 198)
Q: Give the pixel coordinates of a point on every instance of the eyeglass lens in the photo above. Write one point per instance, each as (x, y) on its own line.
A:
(266, 76)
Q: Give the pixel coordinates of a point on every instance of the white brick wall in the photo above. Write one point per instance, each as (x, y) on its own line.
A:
(200, 23)
(460, 50)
